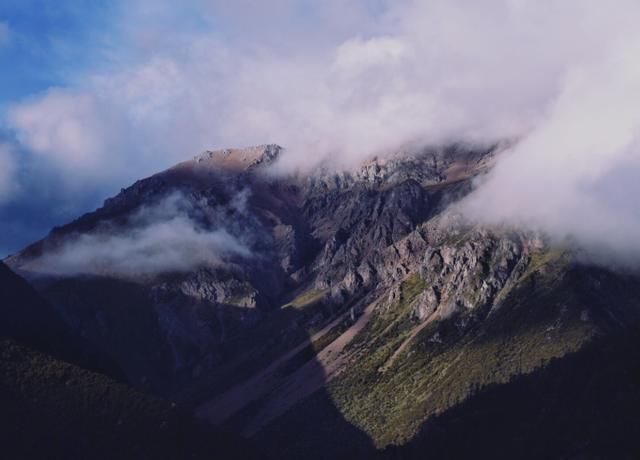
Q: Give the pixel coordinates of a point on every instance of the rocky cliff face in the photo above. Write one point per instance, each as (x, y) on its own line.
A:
(360, 296)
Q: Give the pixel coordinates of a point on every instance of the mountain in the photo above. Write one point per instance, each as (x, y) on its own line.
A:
(52, 408)
(345, 314)
(27, 318)
(55, 410)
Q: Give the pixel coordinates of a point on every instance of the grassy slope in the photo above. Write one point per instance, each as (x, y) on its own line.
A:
(539, 320)
(583, 406)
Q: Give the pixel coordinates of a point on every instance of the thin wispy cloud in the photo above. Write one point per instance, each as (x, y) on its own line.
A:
(165, 236)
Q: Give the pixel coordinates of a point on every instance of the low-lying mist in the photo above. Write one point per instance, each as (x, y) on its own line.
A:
(172, 235)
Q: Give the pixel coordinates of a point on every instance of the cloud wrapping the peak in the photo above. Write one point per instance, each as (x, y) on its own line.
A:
(575, 175)
(412, 71)
(406, 71)
(337, 82)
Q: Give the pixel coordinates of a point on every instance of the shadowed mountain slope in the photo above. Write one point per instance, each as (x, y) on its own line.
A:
(52, 409)
(55, 410)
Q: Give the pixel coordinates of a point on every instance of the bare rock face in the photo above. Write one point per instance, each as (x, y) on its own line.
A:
(239, 160)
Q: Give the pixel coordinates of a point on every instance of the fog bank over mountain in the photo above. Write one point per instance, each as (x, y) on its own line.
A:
(575, 175)
(336, 84)
(426, 72)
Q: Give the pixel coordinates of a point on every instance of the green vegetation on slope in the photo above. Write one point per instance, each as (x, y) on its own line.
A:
(393, 321)
(306, 298)
(584, 405)
(451, 359)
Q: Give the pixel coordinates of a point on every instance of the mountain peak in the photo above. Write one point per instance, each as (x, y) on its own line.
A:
(240, 159)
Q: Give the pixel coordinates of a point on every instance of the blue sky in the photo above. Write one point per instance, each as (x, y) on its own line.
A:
(47, 42)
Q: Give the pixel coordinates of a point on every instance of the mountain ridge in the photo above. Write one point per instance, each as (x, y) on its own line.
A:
(363, 295)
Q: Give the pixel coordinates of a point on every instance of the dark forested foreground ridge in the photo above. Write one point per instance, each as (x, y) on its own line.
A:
(53, 408)
(333, 315)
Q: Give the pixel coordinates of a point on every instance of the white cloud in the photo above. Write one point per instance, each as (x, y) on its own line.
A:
(358, 55)
(373, 88)
(573, 175)
(163, 237)
(338, 83)
(69, 128)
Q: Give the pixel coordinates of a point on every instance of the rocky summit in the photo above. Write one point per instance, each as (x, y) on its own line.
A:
(349, 313)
